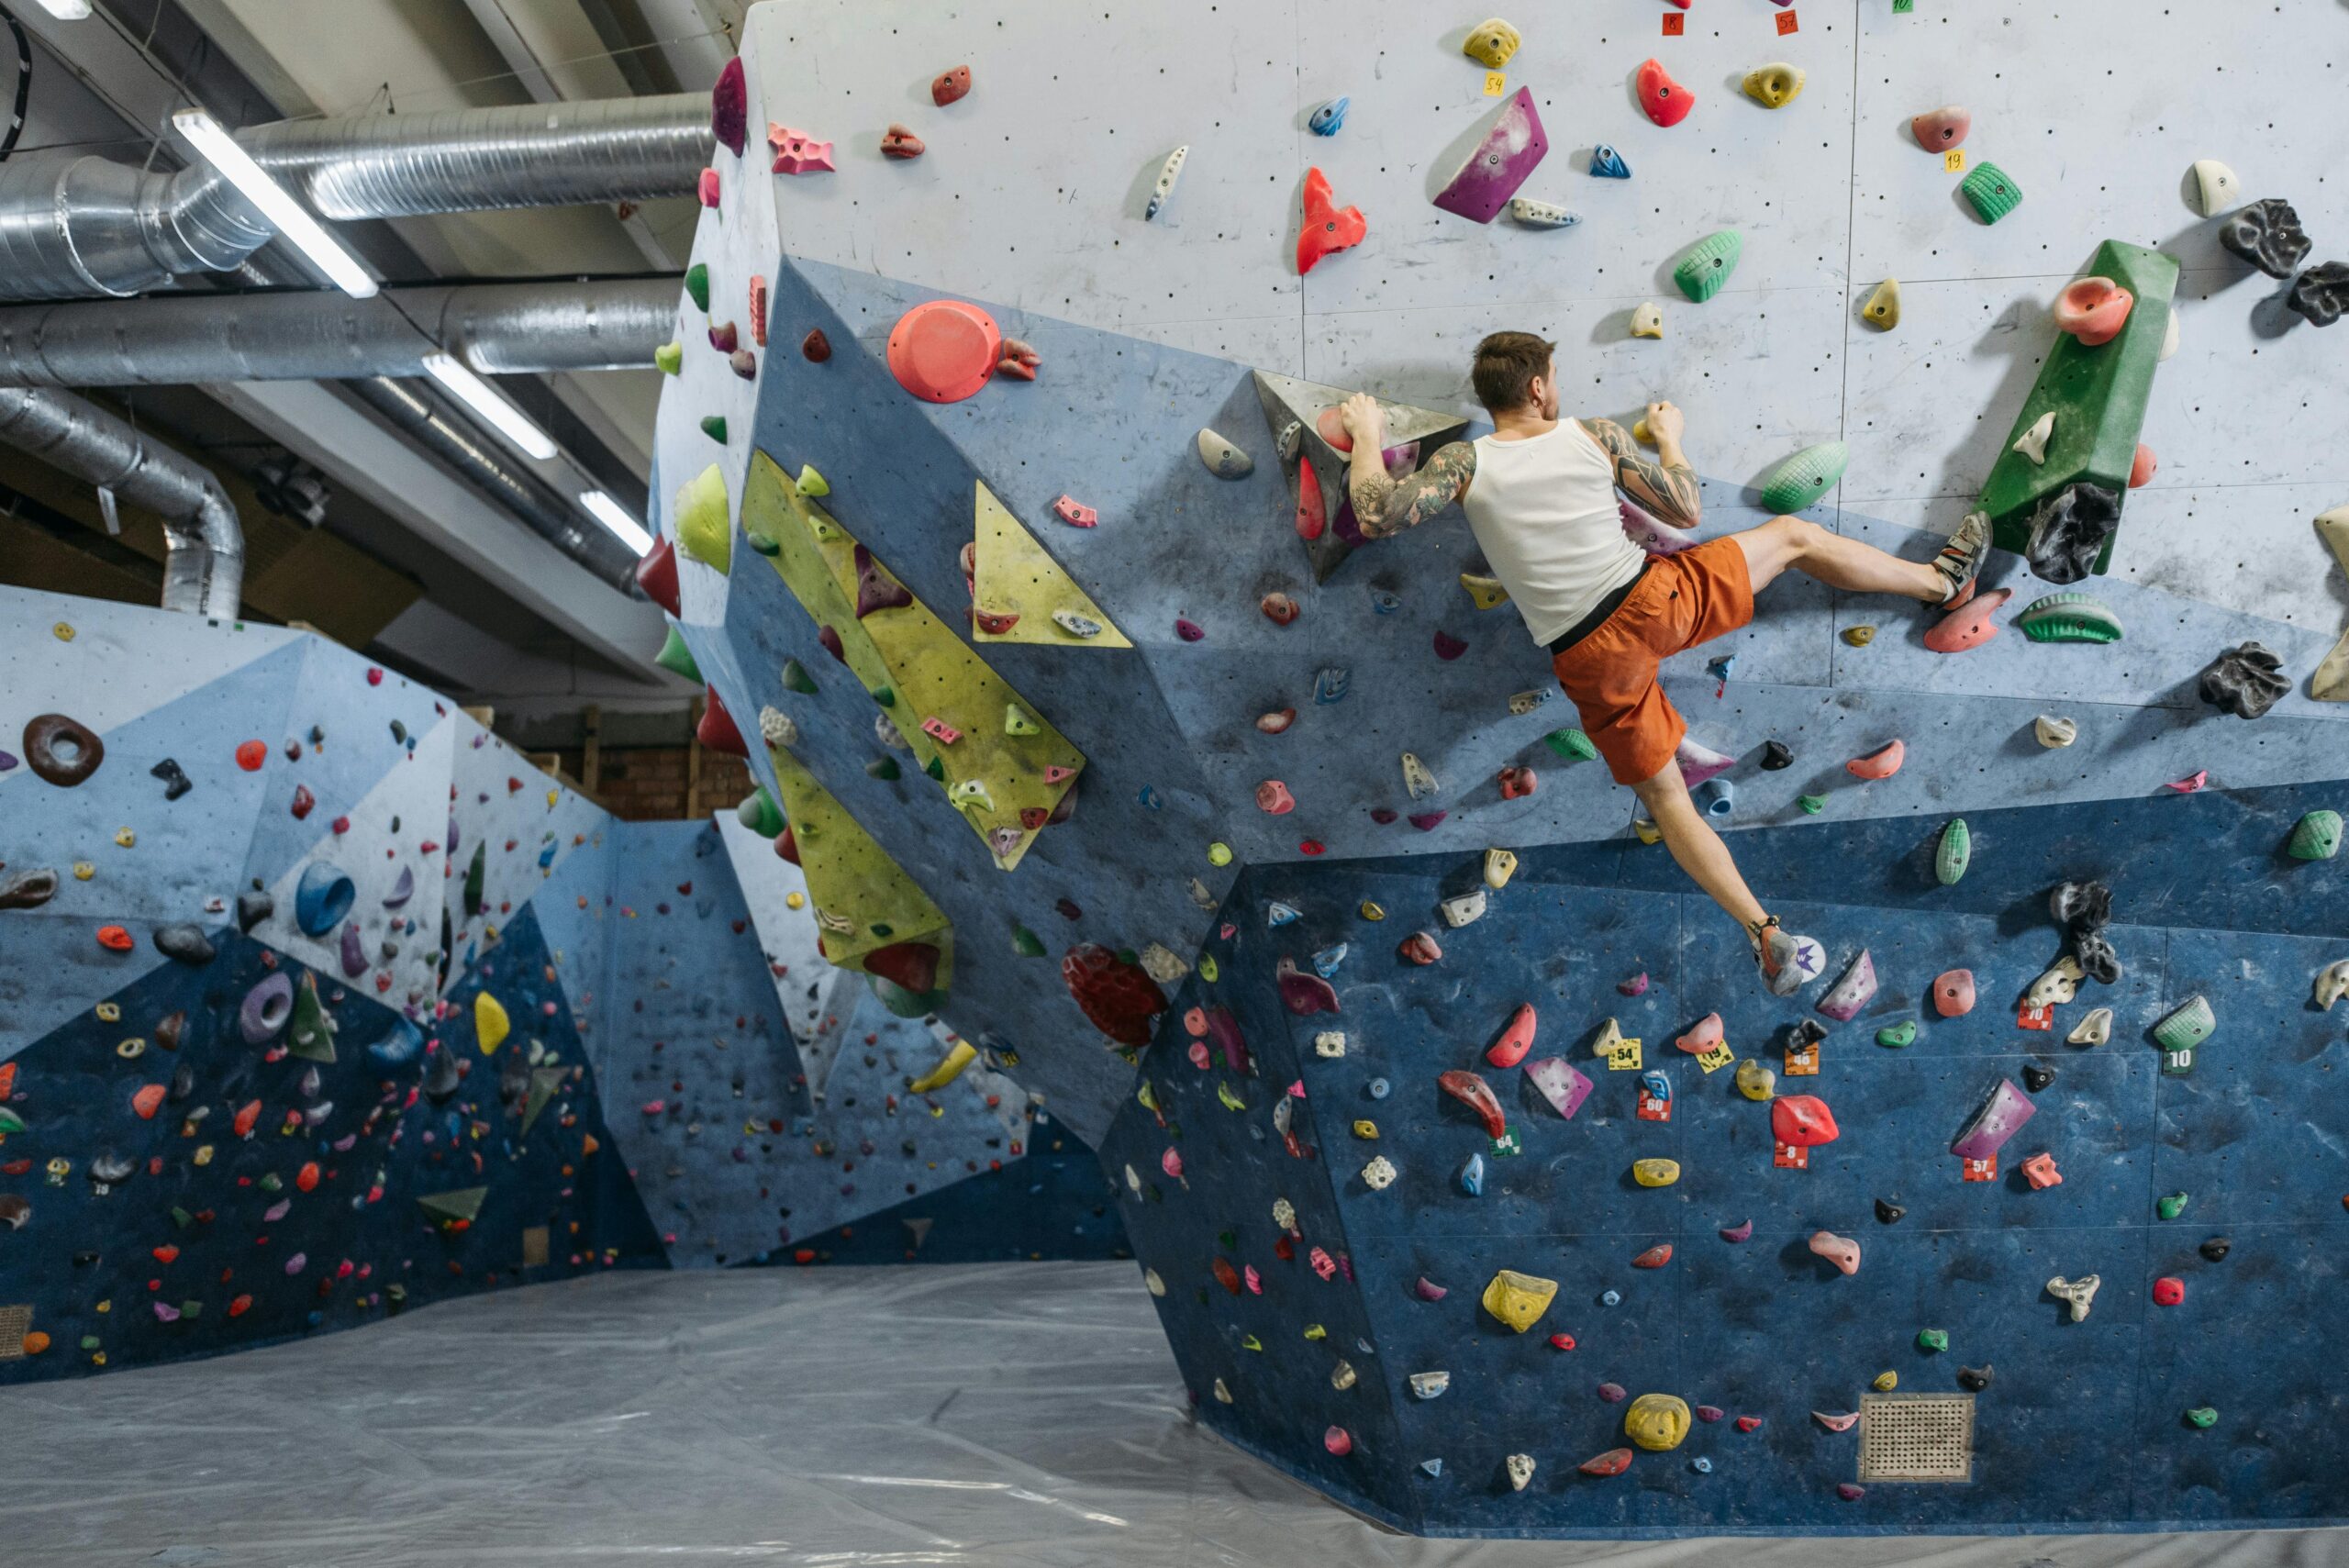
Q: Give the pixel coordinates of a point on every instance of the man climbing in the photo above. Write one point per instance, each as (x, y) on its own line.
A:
(1540, 494)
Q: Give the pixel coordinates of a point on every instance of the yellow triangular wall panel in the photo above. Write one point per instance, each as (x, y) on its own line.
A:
(1016, 575)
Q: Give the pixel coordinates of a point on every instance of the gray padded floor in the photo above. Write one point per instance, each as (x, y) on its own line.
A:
(1020, 1415)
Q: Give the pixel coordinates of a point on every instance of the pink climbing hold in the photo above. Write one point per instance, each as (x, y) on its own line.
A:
(942, 350)
(1425, 821)
(1840, 1251)
(1018, 360)
(2041, 1173)
(1843, 1421)
(1741, 1232)
(949, 87)
(796, 152)
(1655, 1257)
(1477, 1095)
(2093, 311)
(1327, 228)
(1708, 1414)
(1075, 514)
(1279, 609)
(1515, 1039)
(1970, 625)
(1943, 129)
(1878, 764)
(705, 187)
(1700, 762)
(1560, 1083)
(1274, 798)
(1338, 1441)
(1517, 782)
(2000, 1118)
(2168, 1291)
(1419, 948)
(1703, 1036)
(1277, 723)
(900, 143)
(2141, 467)
(2191, 783)
(1613, 1393)
(1954, 993)
(730, 107)
(1429, 1290)
(1172, 1163)
(1448, 647)
(1189, 631)
(1635, 986)
(1850, 1491)
(1666, 102)
(1650, 532)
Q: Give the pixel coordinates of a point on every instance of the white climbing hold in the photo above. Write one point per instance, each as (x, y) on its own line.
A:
(1168, 174)
(1415, 777)
(1224, 459)
(2033, 443)
(2059, 985)
(2169, 335)
(1157, 1286)
(1284, 1214)
(1222, 1395)
(1076, 625)
(1647, 320)
(1330, 1043)
(2094, 1029)
(1521, 1471)
(1430, 1385)
(776, 729)
(1380, 1174)
(1462, 908)
(1541, 215)
(1524, 703)
(1161, 964)
(2216, 187)
(2331, 984)
(2054, 732)
(2076, 1293)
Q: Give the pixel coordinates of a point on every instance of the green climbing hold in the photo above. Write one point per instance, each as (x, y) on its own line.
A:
(704, 529)
(2170, 1207)
(464, 1203)
(714, 426)
(1932, 1338)
(676, 657)
(10, 1121)
(2188, 1026)
(1018, 720)
(1803, 478)
(1813, 804)
(811, 483)
(796, 677)
(885, 696)
(903, 1003)
(1027, 943)
(2318, 837)
(1993, 194)
(937, 769)
(1897, 1036)
(1573, 745)
(697, 284)
(1956, 853)
(311, 1036)
(670, 358)
(882, 767)
(1706, 267)
(2202, 1415)
(2069, 617)
(759, 813)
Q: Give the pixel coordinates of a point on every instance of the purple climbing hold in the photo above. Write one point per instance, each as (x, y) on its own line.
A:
(1741, 1232)
(1613, 1393)
(1852, 992)
(1224, 1029)
(1708, 1414)
(730, 107)
(1188, 630)
(1430, 1291)
(1850, 1491)
(1560, 1083)
(1491, 173)
(1426, 821)
(265, 1009)
(1999, 1120)
(1304, 994)
(875, 589)
(1448, 647)
(1652, 533)
(402, 891)
(354, 956)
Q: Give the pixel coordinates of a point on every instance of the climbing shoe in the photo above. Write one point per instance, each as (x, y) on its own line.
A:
(1960, 561)
(1778, 956)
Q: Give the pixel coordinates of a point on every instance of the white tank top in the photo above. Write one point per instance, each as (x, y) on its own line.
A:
(1543, 510)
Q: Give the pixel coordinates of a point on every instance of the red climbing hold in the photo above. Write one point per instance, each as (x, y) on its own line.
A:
(1666, 101)
(1561, 1341)
(1515, 1040)
(1448, 647)
(947, 87)
(1327, 227)
(1655, 1257)
(2168, 1291)
(1420, 948)
(1747, 1423)
(730, 107)
(304, 801)
(1954, 993)
(1338, 1441)
(1477, 1095)
(943, 351)
(253, 756)
(900, 143)
(1117, 997)
(2141, 467)
(306, 1178)
(2041, 1173)
(1018, 360)
(718, 730)
(913, 965)
(1614, 1462)
(1279, 609)
(1802, 1120)
(1075, 512)
(148, 1101)
(247, 1115)
(787, 847)
(1518, 783)
(2191, 783)
(1301, 992)
(816, 347)
(657, 576)
(1273, 797)
(1225, 1274)
(2093, 311)
(1312, 519)
(994, 624)
(114, 938)
(1878, 764)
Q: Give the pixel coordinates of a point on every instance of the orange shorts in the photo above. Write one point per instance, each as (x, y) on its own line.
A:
(1683, 600)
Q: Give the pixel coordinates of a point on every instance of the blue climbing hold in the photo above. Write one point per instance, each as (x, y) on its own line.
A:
(1718, 797)
(1326, 961)
(1432, 1466)
(1608, 163)
(401, 1046)
(1472, 1176)
(1701, 1466)
(1612, 1298)
(1721, 668)
(1150, 800)
(1657, 1084)
(1384, 602)
(1329, 118)
(322, 898)
(1379, 1089)
(1331, 685)
(1278, 914)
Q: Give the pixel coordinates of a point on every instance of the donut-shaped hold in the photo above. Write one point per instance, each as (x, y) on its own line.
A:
(62, 751)
(265, 1009)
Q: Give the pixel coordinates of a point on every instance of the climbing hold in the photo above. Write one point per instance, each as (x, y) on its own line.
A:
(1223, 460)
(2171, 1206)
(1841, 1422)
(1608, 164)
(2035, 1077)
(2069, 529)
(1485, 593)
(2069, 617)
(1647, 320)
(2331, 984)
(1798, 481)
(1666, 102)
(1161, 190)
(1698, 763)
(1702, 1037)
(949, 87)
(2245, 681)
(321, 898)
(2268, 235)
(2168, 1291)
(1560, 1083)
(670, 358)
(1189, 631)
(1277, 723)
(1954, 993)
(1278, 608)
(1327, 228)
(1417, 779)
(2183, 1029)
(1572, 744)
(1974, 1379)
(1516, 1038)
(2093, 311)
(1747, 1423)
(2039, 1171)
(61, 751)
(1843, 1001)
(2094, 1029)
(1541, 215)
(703, 529)
(1491, 42)
(1075, 514)
(1329, 118)
(2053, 732)
(1776, 755)
(1755, 1081)
(2033, 443)
(1429, 1290)
(1273, 797)
(1970, 625)
(1859, 636)
(1774, 86)
(1885, 1382)
(725, 337)
(1802, 1121)
(2316, 837)
(1337, 1442)
(1477, 1095)
(175, 781)
(1943, 129)
(2216, 1248)
(1954, 853)
(2321, 294)
(2191, 783)
(1897, 1036)
(1881, 763)
(2202, 1415)
(1655, 1172)
(1883, 309)
(2000, 1118)
(2215, 187)
(1521, 1471)
(1501, 864)
(796, 152)
(2077, 1294)
(1706, 266)
(1461, 908)
(1991, 191)
(185, 942)
(2142, 466)
(900, 143)
(1655, 1257)
(1656, 1422)
(1498, 165)
(1519, 1299)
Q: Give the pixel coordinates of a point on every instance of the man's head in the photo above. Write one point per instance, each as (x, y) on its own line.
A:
(1512, 375)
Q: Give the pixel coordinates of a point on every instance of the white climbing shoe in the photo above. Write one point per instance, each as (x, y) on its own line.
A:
(1960, 561)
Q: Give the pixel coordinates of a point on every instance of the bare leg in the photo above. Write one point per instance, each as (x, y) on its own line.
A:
(1839, 562)
(1695, 846)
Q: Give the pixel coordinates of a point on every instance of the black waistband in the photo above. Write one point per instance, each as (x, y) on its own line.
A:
(1599, 612)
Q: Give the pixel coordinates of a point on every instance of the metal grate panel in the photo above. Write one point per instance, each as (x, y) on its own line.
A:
(1917, 1437)
(15, 1322)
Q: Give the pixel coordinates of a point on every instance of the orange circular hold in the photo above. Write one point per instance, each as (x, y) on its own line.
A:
(114, 938)
(36, 1342)
(943, 351)
(253, 756)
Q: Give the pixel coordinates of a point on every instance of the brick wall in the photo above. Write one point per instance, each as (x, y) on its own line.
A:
(649, 783)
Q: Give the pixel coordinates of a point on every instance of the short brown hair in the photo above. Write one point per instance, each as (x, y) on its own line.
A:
(1507, 364)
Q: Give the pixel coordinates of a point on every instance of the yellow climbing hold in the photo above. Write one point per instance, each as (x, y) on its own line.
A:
(1755, 1081)
(1365, 1129)
(1640, 433)
(125, 837)
(63, 631)
(1208, 970)
(1315, 1332)
(811, 483)
(1648, 831)
(1219, 853)
(1886, 1382)
(1228, 1097)
(1484, 593)
(1018, 720)
(1859, 636)
(1491, 42)
(1657, 1422)
(1499, 866)
(1774, 86)
(1647, 320)
(1371, 911)
(491, 1026)
(1655, 1172)
(83, 870)
(1883, 309)
(950, 1067)
(794, 901)
(1519, 1300)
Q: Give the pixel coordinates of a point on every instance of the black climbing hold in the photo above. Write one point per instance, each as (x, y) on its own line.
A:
(2035, 1077)
(2217, 1248)
(175, 783)
(28, 889)
(1973, 1379)
(1776, 755)
(475, 874)
(2268, 235)
(2093, 951)
(399, 731)
(2321, 293)
(1803, 1035)
(61, 752)
(182, 1083)
(83, 1259)
(2069, 530)
(1888, 1213)
(185, 942)
(2245, 680)
(168, 1029)
(441, 1079)
(252, 908)
(2082, 906)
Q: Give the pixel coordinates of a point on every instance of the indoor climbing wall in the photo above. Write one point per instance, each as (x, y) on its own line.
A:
(998, 490)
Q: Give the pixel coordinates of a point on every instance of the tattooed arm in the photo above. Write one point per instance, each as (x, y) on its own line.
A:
(1665, 483)
(1384, 504)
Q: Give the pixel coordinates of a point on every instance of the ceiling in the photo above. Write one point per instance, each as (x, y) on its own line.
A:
(411, 565)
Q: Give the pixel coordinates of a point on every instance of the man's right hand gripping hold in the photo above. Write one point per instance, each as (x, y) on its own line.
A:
(1540, 495)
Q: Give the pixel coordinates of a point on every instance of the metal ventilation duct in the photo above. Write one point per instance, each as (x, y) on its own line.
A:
(73, 226)
(204, 569)
(325, 335)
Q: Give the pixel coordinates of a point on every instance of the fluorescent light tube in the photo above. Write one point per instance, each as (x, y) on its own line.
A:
(66, 10)
(236, 165)
(484, 400)
(614, 516)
